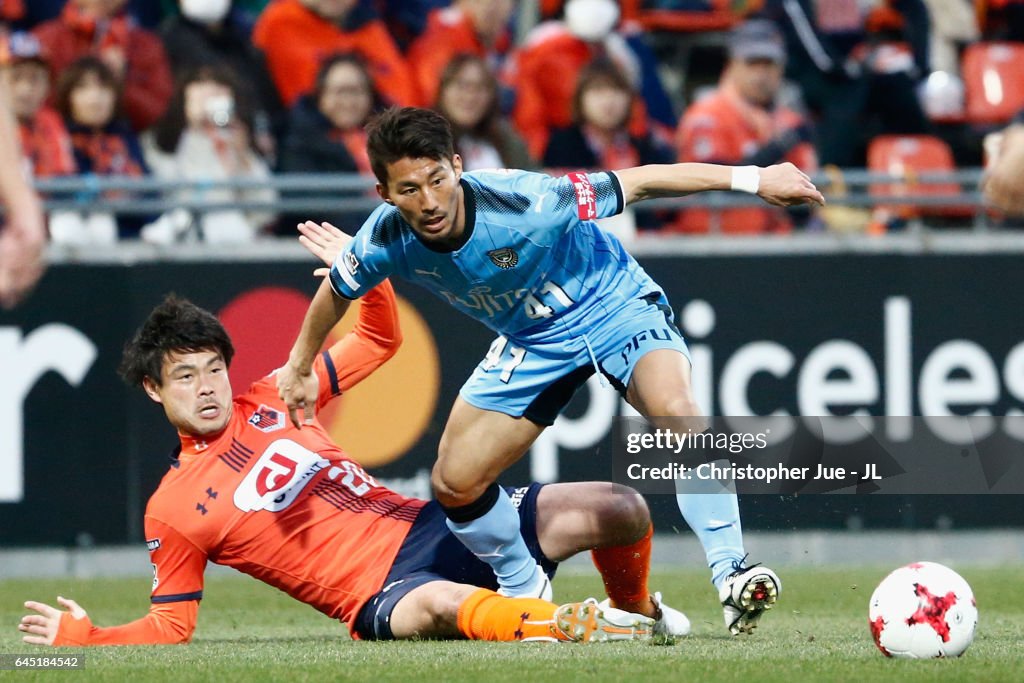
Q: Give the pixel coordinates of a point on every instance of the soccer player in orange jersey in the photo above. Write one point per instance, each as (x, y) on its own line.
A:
(285, 505)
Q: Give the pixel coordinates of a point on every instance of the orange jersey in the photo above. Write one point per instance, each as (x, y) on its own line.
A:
(282, 504)
(296, 41)
(722, 129)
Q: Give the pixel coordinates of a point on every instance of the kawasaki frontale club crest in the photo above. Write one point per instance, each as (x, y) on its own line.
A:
(504, 258)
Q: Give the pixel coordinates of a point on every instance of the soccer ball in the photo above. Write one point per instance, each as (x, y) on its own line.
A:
(922, 611)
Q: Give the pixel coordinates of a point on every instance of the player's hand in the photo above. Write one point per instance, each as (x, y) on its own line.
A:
(22, 255)
(786, 185)
(324, 241)
(42, 627)
(298, 390)
(1003, 183)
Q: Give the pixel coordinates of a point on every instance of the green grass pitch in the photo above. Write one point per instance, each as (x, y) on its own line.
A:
(248, 631)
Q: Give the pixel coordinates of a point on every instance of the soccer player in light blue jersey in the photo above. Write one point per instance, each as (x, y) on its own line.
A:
(520, 252)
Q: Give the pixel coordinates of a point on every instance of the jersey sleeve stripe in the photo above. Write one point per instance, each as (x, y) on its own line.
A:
(336, 287)
(177, 597)
(620, 197)
(332, 373)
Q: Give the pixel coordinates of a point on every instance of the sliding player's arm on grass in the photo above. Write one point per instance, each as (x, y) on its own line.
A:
(177, 589)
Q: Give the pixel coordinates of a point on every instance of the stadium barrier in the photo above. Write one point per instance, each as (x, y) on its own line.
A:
(309, 194)
(805, 325)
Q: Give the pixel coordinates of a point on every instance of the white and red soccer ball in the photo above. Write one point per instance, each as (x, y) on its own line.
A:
(922, 611)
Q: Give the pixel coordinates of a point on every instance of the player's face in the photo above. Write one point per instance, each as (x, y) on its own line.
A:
(194, 391)
(428, 195)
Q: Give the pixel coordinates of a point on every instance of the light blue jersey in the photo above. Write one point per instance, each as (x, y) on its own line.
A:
(534, 266)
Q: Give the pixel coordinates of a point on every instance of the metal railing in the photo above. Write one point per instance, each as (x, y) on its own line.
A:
(320, 193)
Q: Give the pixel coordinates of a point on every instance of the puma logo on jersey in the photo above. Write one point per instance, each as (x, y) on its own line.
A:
(428, 273)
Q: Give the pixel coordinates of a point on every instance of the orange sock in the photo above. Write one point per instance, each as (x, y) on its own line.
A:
(624, 570)
(485, 615)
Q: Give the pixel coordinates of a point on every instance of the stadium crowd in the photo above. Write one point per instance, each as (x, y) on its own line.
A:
(219, 90)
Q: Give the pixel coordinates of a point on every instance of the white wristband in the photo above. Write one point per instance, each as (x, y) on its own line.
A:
(746, 179)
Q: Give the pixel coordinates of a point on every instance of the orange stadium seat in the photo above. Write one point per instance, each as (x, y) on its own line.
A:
(908, 156)
(992, 81)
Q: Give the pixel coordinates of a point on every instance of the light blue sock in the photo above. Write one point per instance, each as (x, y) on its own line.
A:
(715, 518)
(496, 540)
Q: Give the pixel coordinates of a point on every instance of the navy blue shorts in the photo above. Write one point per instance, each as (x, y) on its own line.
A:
(432, 553)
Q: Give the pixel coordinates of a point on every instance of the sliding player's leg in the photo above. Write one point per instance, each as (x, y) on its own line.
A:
(614, 523)
(443, 609)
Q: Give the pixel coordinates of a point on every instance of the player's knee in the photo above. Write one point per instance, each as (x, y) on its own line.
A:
(455, 492)
(442, 608)
(680, 406)
(627, 515)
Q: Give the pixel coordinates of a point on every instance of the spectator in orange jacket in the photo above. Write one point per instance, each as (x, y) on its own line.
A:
(44, 139)
(135, 55)
(544, 71)
(297, 35)
(742, 123)
(476, 27)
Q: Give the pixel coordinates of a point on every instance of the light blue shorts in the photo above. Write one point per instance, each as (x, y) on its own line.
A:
(536, 378)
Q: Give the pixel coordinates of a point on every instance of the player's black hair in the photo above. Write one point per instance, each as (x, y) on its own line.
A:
(176, 325)
(407, 133)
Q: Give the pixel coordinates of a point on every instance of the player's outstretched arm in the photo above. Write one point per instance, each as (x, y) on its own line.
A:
(781, 184)
(297, 384)
(166, 624)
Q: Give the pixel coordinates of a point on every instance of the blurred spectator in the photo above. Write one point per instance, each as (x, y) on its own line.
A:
(859, 83)
(325, 132)
(469, 100)
(45, 142)
(296, 35)
(742, 123)
(405, 19)
(476, 27)
(545, 69)
(206, 136)
(87, 97)
(212, 33)
(134, 55)
(599, 136)
(147, 13)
